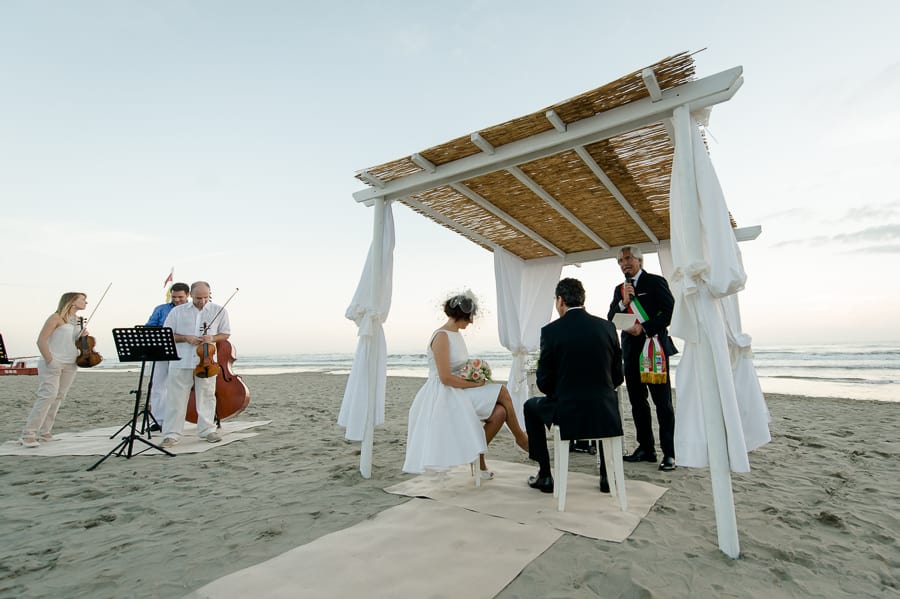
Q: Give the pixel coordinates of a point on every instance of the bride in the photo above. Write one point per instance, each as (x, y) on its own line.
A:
(452, 420)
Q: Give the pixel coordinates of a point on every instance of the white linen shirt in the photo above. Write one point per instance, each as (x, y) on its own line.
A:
(186, 319)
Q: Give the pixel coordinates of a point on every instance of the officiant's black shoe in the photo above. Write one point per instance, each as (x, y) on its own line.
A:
(604, 484)
(640, 455)
(667, 464)
(544, 484)
(155, 428)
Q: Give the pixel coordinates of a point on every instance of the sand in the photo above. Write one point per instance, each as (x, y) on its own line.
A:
(817, 515)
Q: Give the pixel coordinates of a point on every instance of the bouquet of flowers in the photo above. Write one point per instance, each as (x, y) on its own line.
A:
(476, 370)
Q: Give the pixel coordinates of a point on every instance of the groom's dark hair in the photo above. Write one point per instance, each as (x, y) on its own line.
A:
(571, 291)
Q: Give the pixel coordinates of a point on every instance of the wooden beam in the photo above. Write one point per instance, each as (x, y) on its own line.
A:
(651, 84)
(556, 121)
(695, 94)
(506, 218)
(483, 144)
(444, 220)
(371, 179)
(741, 234)
(607, 182)
(423, 163)
(554, 203)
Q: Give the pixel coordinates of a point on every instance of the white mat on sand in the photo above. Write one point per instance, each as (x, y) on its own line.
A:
(417, 549)
(97, 441)
(589, 512)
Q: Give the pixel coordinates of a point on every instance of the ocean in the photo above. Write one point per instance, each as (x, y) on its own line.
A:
(851, 371)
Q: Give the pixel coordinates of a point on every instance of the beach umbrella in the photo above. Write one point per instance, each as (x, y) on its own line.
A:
(362, 407)
(713, 427)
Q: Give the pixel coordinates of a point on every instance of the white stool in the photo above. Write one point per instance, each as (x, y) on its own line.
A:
(615, 470)
(476, 471)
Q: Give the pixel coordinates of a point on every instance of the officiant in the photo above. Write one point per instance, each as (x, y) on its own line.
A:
(647, 296)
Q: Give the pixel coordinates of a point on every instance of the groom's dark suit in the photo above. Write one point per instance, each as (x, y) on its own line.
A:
(579, 368)
(652, 291)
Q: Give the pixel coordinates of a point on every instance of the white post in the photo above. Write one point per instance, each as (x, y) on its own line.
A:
(714, 421)
(365, 457)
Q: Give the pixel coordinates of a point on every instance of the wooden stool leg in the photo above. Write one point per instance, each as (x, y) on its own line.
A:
(556, 452)
(562, 472)
(615, 470)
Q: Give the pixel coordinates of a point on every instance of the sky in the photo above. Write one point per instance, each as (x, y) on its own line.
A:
(221, 138)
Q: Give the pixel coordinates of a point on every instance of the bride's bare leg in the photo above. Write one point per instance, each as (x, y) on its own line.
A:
(491, 427)
(494, 423)
(511, 421)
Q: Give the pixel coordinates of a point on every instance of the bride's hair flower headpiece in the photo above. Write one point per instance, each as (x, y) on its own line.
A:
(465, 302)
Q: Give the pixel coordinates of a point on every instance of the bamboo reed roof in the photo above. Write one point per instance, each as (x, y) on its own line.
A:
(557, 203)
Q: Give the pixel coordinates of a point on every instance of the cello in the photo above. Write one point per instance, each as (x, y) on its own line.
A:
(232, 395)
(87, 357)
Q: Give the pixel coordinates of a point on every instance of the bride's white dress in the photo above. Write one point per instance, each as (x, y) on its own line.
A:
(445, 423)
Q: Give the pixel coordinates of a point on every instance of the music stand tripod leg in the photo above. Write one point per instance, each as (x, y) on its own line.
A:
(139, 345)
(146, 412)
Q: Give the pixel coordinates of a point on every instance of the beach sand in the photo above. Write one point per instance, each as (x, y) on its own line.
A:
(817, 515)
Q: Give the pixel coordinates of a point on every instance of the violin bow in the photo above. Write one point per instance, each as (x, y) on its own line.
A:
(100, 301)
(207, 325)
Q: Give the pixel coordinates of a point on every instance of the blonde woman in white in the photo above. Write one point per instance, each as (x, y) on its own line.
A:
(56, 367)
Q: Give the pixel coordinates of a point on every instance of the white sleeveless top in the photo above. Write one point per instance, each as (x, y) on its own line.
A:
(62, 342)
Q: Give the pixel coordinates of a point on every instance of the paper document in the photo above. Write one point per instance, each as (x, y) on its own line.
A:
(624, 320)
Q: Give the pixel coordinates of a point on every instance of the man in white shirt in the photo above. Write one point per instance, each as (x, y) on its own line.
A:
(193, 324)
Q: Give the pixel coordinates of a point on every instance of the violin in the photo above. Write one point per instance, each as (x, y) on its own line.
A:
(87, 357)
(232, 395)
(207, 352)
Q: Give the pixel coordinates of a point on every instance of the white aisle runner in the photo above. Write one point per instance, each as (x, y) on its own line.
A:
(97, 441)
(589, 512)
(419, 549)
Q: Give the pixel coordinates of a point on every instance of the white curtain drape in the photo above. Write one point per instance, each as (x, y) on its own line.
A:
(525, 303)
(708, 273)
(370, 318)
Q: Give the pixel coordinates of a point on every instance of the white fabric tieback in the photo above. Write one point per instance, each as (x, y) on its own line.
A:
(690, 276)
(517, 370)
(368, 322)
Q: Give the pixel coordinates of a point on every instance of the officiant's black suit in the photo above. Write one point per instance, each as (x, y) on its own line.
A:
(579, 368)
(653, 293)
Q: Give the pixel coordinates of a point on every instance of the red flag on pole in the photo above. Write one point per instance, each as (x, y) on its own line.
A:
(168, 285)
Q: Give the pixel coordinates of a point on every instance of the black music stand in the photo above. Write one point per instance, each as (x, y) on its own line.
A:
(3, 358)
(140, 344)
(146, 415)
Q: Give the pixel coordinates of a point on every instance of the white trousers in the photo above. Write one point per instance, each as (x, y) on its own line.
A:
(54, 381)
(179, 391)
(159, 391)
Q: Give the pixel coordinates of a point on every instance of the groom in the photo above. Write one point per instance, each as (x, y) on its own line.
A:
(579, 368)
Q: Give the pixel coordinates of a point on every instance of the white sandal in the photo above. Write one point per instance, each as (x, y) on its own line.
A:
(29, 442)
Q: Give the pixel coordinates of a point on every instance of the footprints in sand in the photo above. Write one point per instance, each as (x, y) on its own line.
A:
(98, 520)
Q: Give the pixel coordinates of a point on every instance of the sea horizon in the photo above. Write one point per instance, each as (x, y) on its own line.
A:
(854, 371)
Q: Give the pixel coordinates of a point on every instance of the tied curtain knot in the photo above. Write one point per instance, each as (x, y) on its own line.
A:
(517, 371)
(690, 276)
(368, 322)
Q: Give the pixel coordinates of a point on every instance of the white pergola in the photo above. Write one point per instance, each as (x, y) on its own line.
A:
(624, 164)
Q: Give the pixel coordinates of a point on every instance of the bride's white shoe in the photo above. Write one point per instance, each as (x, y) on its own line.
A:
(484, 474)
